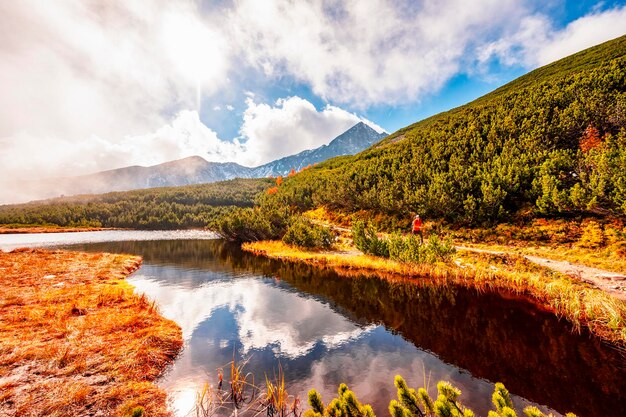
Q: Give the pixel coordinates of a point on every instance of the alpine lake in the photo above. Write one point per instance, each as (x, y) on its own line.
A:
(321, 329)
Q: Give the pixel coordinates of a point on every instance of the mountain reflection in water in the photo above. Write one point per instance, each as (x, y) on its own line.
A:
(325, 329)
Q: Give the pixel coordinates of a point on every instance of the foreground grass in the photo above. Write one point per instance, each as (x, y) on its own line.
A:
(582, 305)
(76, 340)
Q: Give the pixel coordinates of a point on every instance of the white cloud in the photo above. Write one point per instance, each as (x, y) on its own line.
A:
(259, 310)
(583, 33)
(290, 126)
(536, 42)
(363, 53)
(81, 75)
(184, 136)
(229, 107)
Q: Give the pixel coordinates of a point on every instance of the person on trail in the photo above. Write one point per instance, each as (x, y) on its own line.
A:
(417, 228)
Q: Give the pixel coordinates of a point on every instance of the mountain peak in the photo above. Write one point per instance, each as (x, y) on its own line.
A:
(364, 126)
(357, 138)
(354, 140)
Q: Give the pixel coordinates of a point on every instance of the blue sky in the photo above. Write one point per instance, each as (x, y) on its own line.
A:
(101, 85)
(461, 88)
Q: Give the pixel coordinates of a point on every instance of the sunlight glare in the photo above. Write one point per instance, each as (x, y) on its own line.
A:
(197, 52)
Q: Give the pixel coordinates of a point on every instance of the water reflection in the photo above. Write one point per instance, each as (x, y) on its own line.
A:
(11, 241)
(325, 329)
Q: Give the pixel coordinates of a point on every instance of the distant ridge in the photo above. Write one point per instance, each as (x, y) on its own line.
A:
(196, 170)
(359, 137)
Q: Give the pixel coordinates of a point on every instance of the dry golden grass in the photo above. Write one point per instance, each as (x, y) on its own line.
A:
(45, 229)
(581, 304)
(603, 258)
(589, 242)
(76, 340)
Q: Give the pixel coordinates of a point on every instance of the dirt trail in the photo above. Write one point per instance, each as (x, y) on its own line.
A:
(608, 281)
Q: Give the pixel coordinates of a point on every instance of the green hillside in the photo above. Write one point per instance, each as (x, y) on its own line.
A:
(550, 143)
(154, 208)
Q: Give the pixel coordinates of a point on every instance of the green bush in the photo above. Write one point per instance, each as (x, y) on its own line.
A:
(253, 224)
(306, 234)
(401, 248)
(409, 249)
(437, 250)
(367, 241)
(412, 403)
(345, 404)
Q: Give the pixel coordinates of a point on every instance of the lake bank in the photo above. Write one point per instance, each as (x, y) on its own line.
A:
(75, 338)
(5, 230)
(581, 304)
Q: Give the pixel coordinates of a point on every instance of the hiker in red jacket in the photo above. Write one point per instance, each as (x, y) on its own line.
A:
(417, 228)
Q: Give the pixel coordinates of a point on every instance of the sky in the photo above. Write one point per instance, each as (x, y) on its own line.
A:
(93, 85)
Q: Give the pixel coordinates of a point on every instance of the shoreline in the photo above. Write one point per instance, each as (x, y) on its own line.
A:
(75, 339)
(49, 229)
(603, 314)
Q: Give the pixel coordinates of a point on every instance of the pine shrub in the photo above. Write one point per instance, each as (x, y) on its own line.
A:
(306, 234)
(367, 241)
(252, 224)
(344, 405)
(447, 404)
(409, 249)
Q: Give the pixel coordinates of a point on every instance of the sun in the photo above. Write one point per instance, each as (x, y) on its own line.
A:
(198, 52)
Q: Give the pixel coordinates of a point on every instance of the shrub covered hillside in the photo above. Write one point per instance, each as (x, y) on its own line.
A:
(551, 143)
(154, 208)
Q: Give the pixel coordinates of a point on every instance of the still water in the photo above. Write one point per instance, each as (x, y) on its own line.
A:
(323, 329)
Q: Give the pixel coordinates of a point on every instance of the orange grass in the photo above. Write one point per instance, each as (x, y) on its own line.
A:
(12, 229)
(580, 303)
(603, 258)
(76, 340)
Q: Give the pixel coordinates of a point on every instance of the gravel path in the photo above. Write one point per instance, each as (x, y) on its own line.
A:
(611, 282)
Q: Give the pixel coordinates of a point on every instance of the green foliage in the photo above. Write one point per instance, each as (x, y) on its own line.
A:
(315, 401)
(397, 410)
(448, 391)
(344, 405)
(367, 241)
(409, 249)
(155, 208)
(447, 404)
(265, 222)
(501, 398)
(552, 143)
(407, 396)
(306, 234)
(532, 411)
(400, 248)
(427, 402)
